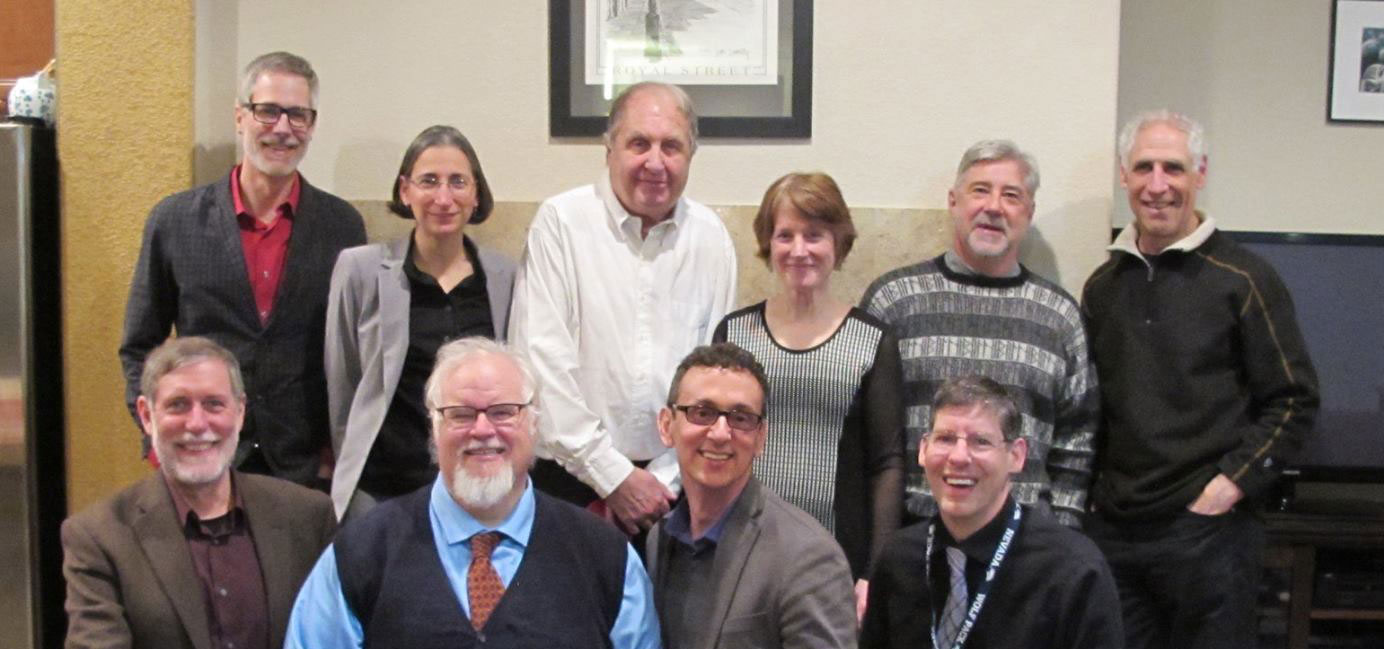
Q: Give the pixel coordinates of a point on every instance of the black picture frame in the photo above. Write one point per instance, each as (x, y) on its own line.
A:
(797, 124)
(1348, 73)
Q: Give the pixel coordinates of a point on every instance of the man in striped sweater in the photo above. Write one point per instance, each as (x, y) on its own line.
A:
(976, 310)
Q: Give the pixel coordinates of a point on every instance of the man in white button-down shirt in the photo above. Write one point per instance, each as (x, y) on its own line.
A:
(620, 279)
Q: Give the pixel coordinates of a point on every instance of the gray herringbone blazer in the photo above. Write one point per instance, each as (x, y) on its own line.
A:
(191, 275)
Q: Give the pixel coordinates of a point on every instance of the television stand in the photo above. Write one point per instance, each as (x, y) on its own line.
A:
(1302, 543)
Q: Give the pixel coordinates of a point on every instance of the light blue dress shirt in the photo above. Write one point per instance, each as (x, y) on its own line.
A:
(322, 620)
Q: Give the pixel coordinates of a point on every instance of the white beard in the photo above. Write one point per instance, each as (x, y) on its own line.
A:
(480, 491)
(195, 475)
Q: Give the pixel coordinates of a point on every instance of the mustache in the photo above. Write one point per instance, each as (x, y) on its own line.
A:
(996, 222)
(482, 446)
(279, 139)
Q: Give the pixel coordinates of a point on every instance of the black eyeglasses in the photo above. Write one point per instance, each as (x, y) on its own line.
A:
(464, 417)
(707, 416)
(267, 113)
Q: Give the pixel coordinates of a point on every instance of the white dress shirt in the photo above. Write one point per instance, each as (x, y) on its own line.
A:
(606, 315)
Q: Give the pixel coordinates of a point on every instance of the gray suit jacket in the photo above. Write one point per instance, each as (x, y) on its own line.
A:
(367, 340)
(191, 275)
(131, 581)
(781, 579)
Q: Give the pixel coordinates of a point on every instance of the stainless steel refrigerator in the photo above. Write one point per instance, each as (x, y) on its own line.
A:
(33, 490)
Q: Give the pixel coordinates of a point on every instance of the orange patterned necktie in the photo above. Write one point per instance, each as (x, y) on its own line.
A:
(483, 585)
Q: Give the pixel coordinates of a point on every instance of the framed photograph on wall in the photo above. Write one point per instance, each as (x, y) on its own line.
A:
(1355, 91)
(746, 63)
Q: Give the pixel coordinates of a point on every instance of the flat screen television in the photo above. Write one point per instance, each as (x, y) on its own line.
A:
(1337, 284)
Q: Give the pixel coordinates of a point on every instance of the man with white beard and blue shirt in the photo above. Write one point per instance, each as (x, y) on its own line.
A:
(523, 569)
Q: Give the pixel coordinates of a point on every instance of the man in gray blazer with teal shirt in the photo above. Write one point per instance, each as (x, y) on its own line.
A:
(246, 261)
(733, 564)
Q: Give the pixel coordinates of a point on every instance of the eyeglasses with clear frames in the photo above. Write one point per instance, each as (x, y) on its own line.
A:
(268, 113)
(707, 416)
(431, 183)
(465, 417)
(941, 443)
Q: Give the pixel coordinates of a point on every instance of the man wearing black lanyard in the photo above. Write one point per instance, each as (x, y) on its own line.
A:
(993, 574)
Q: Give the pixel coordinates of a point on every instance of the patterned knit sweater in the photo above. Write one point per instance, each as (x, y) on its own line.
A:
(1024, 332)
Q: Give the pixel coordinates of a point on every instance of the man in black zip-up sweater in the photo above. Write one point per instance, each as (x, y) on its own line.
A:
(1207, 392)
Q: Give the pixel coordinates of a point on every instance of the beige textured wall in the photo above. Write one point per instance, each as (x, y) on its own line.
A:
(901, 88)
(125, 139)
(878, 246)
(1255, 73)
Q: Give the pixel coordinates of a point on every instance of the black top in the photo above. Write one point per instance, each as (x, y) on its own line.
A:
(1203, 371)
(398, 462)
(1054, 589)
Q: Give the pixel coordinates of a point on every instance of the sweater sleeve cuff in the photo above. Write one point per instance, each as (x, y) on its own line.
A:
(1253, 478)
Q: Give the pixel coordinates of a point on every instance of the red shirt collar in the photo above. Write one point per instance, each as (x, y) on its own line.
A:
(292, 201)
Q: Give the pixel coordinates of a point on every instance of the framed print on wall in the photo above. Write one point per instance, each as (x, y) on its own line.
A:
(1356, 77)
(746, 63)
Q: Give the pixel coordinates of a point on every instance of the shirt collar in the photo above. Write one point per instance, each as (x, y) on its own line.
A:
(678, 524)
(1128, 239)
(957, 265)
(458, 525)
(981, 545)
(629, 225)
(291, 204)
(189, 520)
(411, 267)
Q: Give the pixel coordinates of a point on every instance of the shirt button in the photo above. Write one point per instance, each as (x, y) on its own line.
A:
(221, 592)
(266, 274)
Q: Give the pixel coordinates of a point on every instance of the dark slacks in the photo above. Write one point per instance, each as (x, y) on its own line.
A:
(550, 478)
(1185, 582)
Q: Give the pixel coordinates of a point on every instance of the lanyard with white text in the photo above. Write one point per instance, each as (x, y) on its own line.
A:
(1001, 550)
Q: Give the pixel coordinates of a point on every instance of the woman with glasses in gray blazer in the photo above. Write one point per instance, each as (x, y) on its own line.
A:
(392, 305)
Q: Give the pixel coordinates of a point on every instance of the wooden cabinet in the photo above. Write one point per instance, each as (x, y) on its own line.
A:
(1300, 546)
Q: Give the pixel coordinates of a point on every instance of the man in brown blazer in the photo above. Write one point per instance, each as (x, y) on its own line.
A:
(197, 556)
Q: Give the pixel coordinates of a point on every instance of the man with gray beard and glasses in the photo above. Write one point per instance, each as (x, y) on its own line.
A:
(197, 555)
(523, 569)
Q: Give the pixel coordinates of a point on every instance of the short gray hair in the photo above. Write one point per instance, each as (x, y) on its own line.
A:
(969, 391)
(1196, 134)
(282, 62)
(998, 151)
(186, 350)
(457, 352)
(680, 97)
